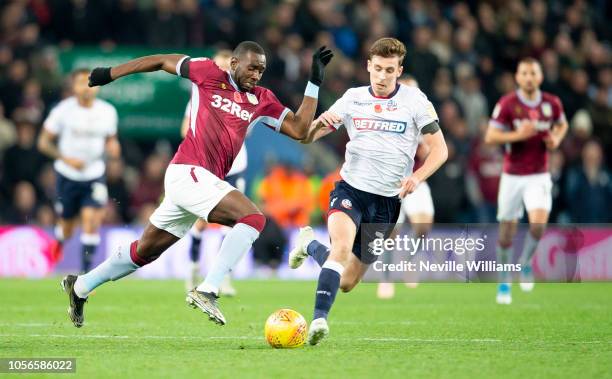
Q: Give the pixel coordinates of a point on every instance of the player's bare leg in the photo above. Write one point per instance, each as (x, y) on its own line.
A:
(342, 232)
(63, 231)
(538, 218)
(126, 259)
(237, 211)
(421, 225)
(91, 220)
(507, 231)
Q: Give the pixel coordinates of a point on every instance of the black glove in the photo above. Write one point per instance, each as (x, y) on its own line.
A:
(320, 59)
(100, 76)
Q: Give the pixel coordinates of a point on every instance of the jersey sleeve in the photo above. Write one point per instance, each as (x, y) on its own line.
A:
(199, 68)
(500, 118)
(271, 112)
(53, 122)
(424, 112)
(558, 112)
(340, 107)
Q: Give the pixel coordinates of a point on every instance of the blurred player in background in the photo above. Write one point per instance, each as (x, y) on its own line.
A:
(384, 122)
(224, 106)
(234, 177)
(77, 134)
(528, 122)
(417, 207)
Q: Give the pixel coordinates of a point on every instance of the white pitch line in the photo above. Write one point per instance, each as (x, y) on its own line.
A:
(397, 339)
(253, 338)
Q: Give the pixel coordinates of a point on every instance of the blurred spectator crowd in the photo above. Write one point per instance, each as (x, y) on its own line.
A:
(462, 54)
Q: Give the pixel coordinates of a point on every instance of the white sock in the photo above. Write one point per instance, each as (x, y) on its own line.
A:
(195, 232)
(528, 249)
(236, 243)
(114, 267)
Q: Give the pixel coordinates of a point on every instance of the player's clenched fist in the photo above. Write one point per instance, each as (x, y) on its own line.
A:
(100, 76)
(409, 185)
(320, 59)
(329, 119)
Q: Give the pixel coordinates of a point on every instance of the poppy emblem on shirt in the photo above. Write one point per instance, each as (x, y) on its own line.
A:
(346, 203)
(391, 105)
(252, 99)
(378, 108)
(546, 109)
(518, 110)
(237, 97)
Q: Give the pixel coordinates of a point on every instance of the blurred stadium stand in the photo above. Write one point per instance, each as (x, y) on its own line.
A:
(463, 54)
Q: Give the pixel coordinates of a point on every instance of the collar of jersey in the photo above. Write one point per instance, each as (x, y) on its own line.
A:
(397, 87)
(232, 82)
(527, 102)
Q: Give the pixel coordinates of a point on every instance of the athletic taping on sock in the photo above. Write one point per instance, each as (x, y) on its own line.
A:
(318, 251)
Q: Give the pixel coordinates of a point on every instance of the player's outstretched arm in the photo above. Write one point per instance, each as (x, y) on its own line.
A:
(103, 75)
(322, 126)
(498, 136)
(438, 153)
(296, 125)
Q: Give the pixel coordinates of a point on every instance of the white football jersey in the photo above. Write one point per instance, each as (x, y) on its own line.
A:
(82, 134)
(384, 135)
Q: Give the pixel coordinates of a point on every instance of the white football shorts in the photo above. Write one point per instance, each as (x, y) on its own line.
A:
(533, 191)
(192, 192)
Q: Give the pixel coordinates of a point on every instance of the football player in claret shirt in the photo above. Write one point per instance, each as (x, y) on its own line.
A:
(529, 122)
(224, 106)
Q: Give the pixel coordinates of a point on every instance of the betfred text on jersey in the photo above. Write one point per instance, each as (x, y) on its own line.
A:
(231, 107)
(368, 124)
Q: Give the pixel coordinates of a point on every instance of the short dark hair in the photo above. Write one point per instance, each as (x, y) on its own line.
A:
(79, 71)
(529, 60)
(388, 47)
(246, 46)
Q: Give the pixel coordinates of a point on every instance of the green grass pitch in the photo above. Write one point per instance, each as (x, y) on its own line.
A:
(143, 329)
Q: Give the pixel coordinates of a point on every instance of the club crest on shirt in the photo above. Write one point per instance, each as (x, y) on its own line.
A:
(346, 203)
(378, 108)
(546, 109)
(391, 105)
(223, 86)
(237, 97)
(252, 98)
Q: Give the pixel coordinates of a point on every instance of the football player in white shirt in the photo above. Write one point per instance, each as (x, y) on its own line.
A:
(78, 133)
(417, 207)
(222, 58)
(384, 121)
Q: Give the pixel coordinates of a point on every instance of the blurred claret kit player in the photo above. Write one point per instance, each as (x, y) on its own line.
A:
(417, 207)
(529, 122)
(384, 122)
(224, 106)
(77, 134)
(222, 58)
